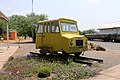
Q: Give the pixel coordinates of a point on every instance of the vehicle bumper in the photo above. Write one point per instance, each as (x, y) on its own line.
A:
(78, 49)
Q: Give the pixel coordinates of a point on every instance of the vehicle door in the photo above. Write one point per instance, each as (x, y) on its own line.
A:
(39, 34)
(55, 35)
(46, 35)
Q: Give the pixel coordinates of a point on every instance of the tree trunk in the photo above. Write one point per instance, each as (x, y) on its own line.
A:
(25, 37)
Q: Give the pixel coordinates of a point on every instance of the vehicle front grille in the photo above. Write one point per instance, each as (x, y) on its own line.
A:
(79, 42)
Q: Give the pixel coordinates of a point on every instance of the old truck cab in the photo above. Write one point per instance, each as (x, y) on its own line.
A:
(60, 35)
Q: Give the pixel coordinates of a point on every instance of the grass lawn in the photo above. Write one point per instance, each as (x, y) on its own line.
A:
(62, 68)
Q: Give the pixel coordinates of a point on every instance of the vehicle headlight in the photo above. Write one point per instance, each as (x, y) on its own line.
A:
(71, 42)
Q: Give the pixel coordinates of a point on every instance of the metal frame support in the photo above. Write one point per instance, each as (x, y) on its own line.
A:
(8, 46)
(7, 20)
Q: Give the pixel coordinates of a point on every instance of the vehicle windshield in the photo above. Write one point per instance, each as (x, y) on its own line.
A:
(68, 27)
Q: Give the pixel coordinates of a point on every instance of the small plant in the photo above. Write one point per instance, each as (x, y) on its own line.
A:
(44, 72)
(10, 58)
(62, 68)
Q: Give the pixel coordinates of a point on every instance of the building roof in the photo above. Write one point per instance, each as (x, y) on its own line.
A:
(3, 16)
(111, 25)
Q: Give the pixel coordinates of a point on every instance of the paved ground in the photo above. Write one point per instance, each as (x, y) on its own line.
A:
(15, 49)
(111, 56)
(111, 66)
(24, 46)
(108, 74)
(5, 53)
(25, 49)
(110, 46)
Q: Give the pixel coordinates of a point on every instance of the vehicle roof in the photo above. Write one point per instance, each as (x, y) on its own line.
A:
(56, 20)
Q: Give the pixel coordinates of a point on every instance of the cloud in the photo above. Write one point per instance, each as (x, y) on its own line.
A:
(1, 8)
(20, 13)
(9, 8)
(94, 1)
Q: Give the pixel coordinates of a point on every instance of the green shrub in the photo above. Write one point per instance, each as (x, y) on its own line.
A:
(44, 72)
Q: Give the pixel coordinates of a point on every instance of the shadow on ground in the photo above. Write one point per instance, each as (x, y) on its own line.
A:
(23, 42)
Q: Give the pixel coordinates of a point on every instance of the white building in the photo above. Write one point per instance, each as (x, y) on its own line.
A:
(110, 28)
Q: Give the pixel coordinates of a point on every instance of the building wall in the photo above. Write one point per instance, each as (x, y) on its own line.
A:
(110, 31)
(13, 36)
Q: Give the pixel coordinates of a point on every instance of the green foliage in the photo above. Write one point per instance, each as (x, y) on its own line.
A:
(25, 25)
(30, 67)
(90, 31)
(3, 26)
(44, 72)
(18, 23)
(79, 32)
(1, 36)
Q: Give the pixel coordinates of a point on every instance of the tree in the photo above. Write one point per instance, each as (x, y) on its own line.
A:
(25, 25)
(32, 19)
(90, 31)
(2, 27)
(19, 24)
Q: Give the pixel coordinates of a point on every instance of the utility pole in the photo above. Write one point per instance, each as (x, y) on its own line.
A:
(32, 6)
(32, 24)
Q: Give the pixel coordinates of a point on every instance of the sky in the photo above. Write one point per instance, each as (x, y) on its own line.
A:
(89, 14)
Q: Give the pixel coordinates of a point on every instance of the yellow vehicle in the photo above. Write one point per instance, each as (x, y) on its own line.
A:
(60, 35)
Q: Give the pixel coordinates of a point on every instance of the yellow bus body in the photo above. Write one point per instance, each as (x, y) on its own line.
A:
(50, 36)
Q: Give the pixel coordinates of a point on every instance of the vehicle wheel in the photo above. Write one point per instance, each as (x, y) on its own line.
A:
(77, 54)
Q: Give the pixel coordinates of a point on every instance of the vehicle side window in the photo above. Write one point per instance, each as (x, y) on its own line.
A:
(48, 27)
(40, 28)
(45, 26)
(55, 27)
